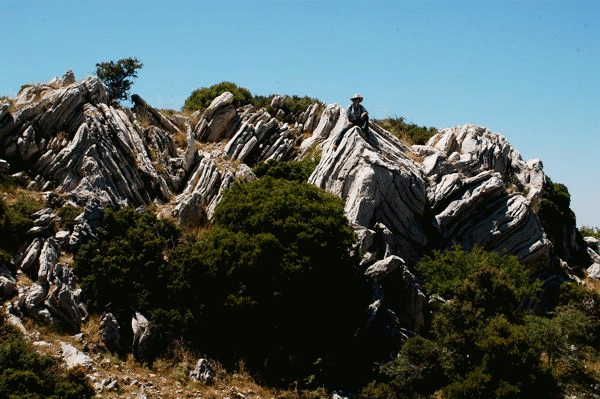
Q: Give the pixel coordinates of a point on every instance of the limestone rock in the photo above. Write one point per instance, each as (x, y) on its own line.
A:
(593, 243)
(32, 253)
(594, 271)
(110, 332)
(73, 357)
(379, 183)
(472, 149)
(479, 210)
(219, 120)
(64, 298)
(8, 283)
(203, 371)
(593, 255)
(384, 267)
(141, 336)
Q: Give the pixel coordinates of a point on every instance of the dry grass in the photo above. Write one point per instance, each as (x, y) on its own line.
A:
(23, 280)
(166, 378)
(592, 284)
(180, 139)
(11, 196)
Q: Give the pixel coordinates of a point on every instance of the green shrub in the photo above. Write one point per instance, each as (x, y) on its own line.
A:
(417, 372)
(127, 265)
(67, 215)
(201, 98)
(8, 184)
(26, 374)
(410, 133)
(445, 271)
(16, 219)
(298, 171)
(587, 231)
(479, 346)
(281, 252)
(296, 104)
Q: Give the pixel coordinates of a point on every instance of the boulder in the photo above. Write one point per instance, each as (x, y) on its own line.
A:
(142, 336)
(383, 268)
(64, 299)
(203, 371)
(594, 271)
(110, 332)
(379, 184)
(29, 263)
(593, 243)
(4, 167)
(219, 120)
(73, 357)
(8, 283)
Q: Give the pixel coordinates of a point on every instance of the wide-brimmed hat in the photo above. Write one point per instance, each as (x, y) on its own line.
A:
(356, 96)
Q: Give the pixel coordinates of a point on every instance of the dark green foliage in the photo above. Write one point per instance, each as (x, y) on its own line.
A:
(275, 276)
(126, 266)
(115, 76)
(25, 374)
(298, 171)
(201, 98)
(444, 272)
(417, 372)
(67, 215)
(410, 133)
(555, 211)
(15, 220)
(281, 251)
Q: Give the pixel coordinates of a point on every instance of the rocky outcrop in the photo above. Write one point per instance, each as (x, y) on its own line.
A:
(219, 120)
(55, 298)
(467, 185)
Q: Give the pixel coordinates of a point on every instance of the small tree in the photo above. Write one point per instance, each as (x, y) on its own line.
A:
(115, 76)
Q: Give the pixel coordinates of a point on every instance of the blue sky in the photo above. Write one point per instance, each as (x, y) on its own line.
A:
(527, 69)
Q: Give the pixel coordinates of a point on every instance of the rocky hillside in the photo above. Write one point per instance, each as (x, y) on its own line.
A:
(466, 186)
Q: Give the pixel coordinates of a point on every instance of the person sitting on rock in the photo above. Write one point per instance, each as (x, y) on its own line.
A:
(357, 116)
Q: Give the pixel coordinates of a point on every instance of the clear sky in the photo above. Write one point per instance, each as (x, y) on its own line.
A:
(527, 69)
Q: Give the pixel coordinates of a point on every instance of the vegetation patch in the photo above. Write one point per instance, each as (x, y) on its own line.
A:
(26, 374)
(410, 133)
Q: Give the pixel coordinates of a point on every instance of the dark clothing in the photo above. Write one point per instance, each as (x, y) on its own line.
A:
(354, 113)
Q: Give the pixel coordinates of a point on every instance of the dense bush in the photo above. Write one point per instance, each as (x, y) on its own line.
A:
(298, 171)
(26, 374)
(445, 271)
(201, 98)
(408, 132)
(282, 250)
(126, 266)
(67, 215)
